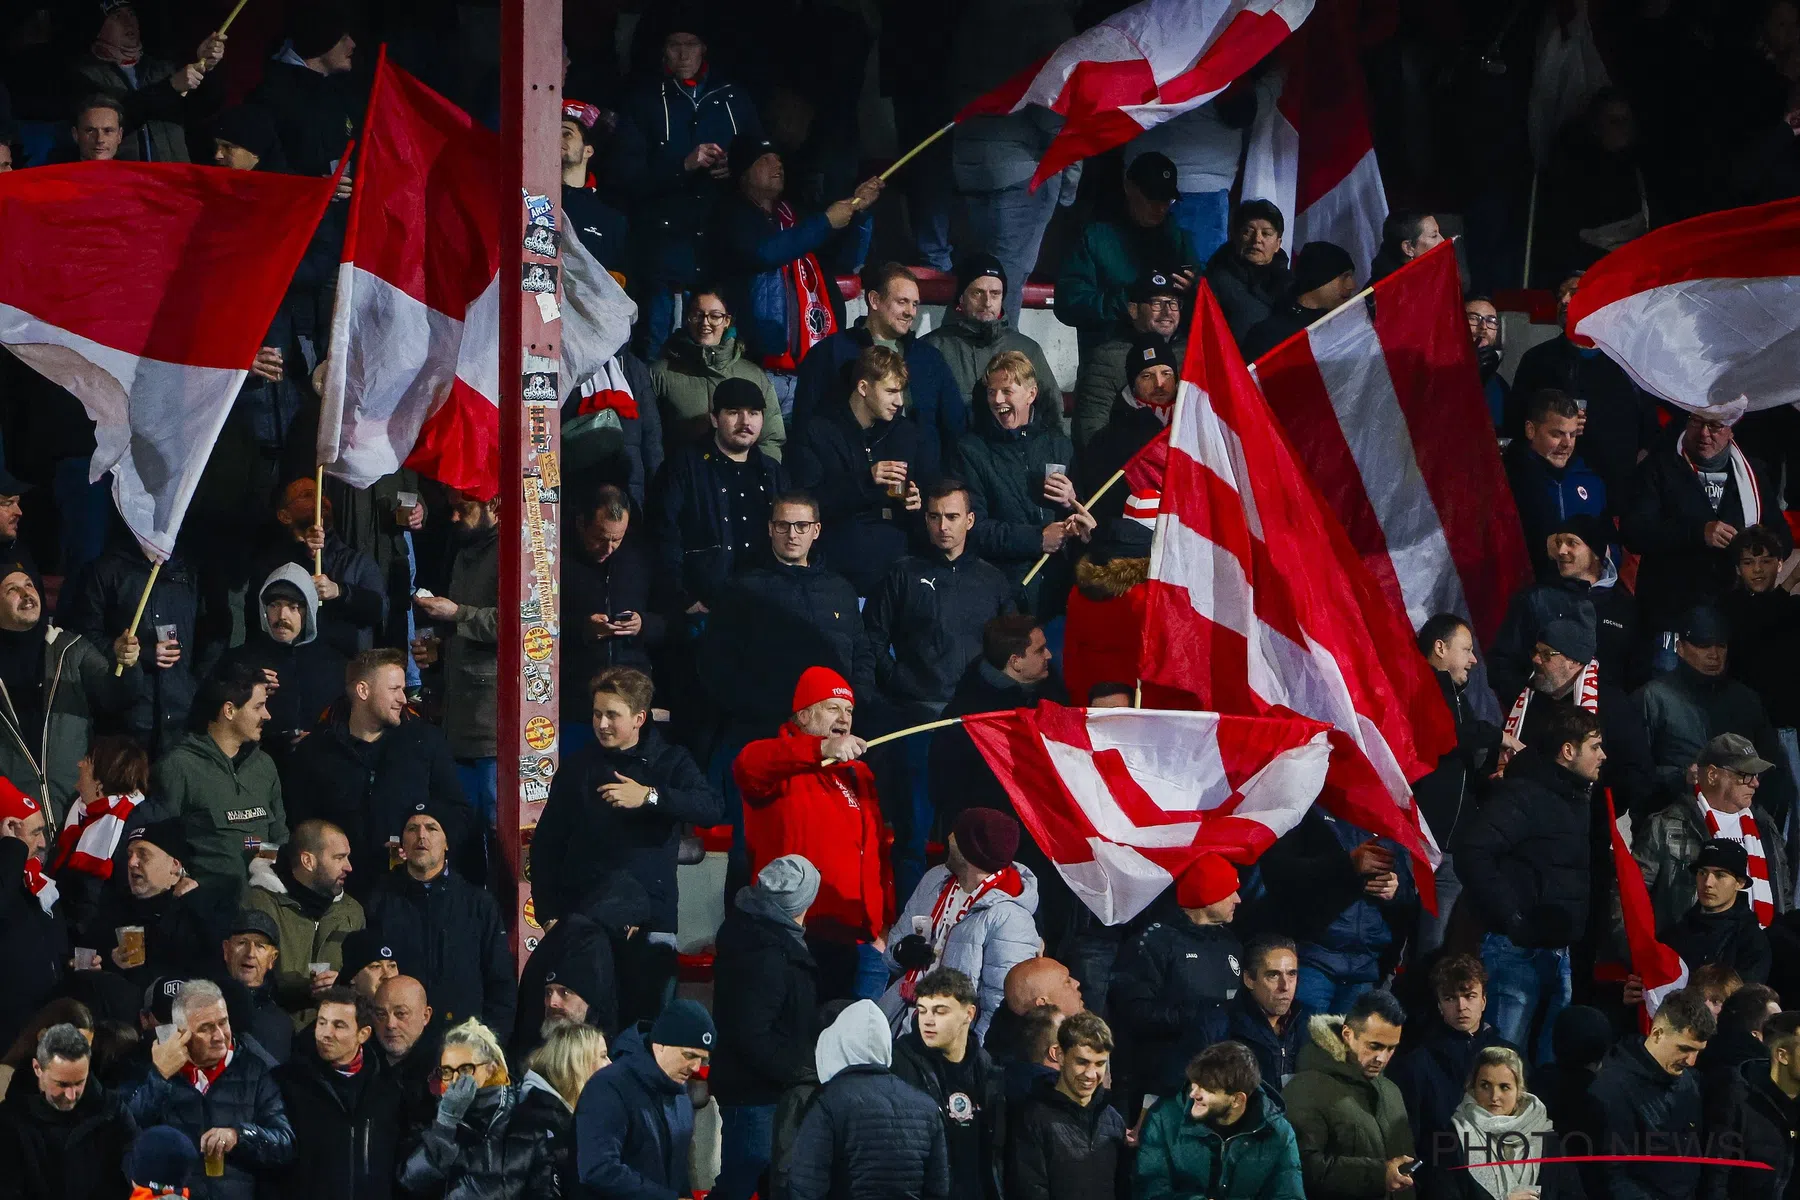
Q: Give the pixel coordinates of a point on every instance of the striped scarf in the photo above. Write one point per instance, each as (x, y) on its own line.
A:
(1586, 694)
(953, 904)
(1741, 828)
(90, 836)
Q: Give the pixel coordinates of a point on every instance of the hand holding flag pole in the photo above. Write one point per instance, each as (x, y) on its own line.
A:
(319, 517)
(900, 733)
(143, 603)
(1091, 501)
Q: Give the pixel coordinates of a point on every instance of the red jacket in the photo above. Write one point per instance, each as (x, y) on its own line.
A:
(832, 815)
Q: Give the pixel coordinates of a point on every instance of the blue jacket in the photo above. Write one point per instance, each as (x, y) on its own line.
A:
(1336, 926)
(933, 401)
(633, 1125)
(1545, 496)
(660, 124)
(1277, 1051)
(748, 250)
(1433, 1075)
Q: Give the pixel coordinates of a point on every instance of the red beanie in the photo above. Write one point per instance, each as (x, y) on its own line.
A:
(1207, 881)
(14, 804)
(818, 684)
(987, 837)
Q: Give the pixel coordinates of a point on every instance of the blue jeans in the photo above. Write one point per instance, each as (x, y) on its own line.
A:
(1324, 994)
(1523, 984)
(480, 779)
(86, 511)
(747, 1141)
(1205, 215)
(413, 678)
(659, 317)
(1449, 887)
(911, 816)
(1009, 224)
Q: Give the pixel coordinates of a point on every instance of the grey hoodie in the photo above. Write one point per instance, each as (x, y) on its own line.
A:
(295, 574)
(858, 1038)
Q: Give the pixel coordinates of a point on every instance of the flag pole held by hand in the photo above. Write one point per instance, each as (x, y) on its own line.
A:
(319, 518)
(915, 151)
(234, 12)
(1092, 500)
(143, 603)
(900, 733)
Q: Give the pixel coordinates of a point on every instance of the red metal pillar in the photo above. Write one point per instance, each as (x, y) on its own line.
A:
(531, 66)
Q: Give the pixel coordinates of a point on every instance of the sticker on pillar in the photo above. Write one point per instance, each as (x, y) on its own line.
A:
(538, 419)
(540, 733)
(534, 767)
(531, 610)
(539, 387)
(536, 277)
(550, 471)
(534, 791)
(539, 210)
(531, 913)
(541, 239)
(538, 643)
(538, 686)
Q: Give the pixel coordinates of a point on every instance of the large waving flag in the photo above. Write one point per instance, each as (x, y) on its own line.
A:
(1704, 312)
(1123, 800)
(1138, 68)
(145, 289)
(1383, 403)
(1311, 152)
(1259, 604)
(1661, 969)
(413, 377)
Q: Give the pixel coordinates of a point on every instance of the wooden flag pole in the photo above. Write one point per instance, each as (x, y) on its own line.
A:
(319, 517)
(915, 151)
(143, 603)
(234, 12)
(900, 733)
(1092, 500)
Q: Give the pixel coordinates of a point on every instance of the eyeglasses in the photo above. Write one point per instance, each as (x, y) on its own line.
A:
(1163, 305)
(710, 318)
(786, 527)
(1478, 322)
(451, 1074)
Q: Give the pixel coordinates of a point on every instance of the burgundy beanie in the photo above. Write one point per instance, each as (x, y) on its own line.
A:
(987, 837)
(1209, 880)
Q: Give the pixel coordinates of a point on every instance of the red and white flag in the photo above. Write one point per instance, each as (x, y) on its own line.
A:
(1661, 969)
(1258, 603)
(1138, 68)
(1705, 312)
(413, 377)
(1123, 800)
(1311, 152)
(145, 289)
(1382, 402)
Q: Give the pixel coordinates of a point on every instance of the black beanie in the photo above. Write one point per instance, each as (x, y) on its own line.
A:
(317, 27)
(1148, 350)
(249, 126)
(1317, 264)
(978, 266)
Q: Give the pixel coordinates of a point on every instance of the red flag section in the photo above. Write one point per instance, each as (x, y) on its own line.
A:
(1123, 800)
(1258, 604)
(1657, 965)
(1382, 402)
(146, 289)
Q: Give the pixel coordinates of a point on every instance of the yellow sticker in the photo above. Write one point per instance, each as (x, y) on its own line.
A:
(538, 643)
(540, 733)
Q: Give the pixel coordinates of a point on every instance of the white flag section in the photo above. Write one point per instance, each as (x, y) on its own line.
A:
(413, 378)
(1705, 312)
(1123, 800)
(155, 351)
(1138, 68)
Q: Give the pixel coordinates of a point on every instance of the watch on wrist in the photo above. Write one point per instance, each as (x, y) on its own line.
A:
(650, 798)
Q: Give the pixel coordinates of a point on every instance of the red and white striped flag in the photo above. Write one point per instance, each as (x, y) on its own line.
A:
(1704, 313)
(1661, 969)
(1382, 402)
(1311, 152)
(413, 378)
(1258, 604)
(146, 289)
(1123, 800)
(1138, 68)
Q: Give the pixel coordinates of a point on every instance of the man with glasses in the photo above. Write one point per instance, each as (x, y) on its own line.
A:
(1484, 332)
(702, 357)
(1155, 307)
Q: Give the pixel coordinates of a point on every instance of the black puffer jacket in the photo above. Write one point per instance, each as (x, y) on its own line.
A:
(1168, 981)
(77, 1155)
(1635, 1101)
(931, 611)
(765, 985)
(869, 1136)
(1732, 938)
(449, 934)
(1523, 857)
(1247, 294)
(768, 627)
(244, 1097)
(490, 1155)
(349, 1129)
(1062, 1151)
(1004, 469)
(865, 528)
(1744, 1102)
(34, 947)
(1453, 789)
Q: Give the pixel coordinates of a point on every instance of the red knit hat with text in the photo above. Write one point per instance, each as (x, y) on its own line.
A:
(1209, 880)
(818, 684)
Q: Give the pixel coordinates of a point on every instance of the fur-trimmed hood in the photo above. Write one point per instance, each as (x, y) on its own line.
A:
(1109, 581)
(1326, 1031)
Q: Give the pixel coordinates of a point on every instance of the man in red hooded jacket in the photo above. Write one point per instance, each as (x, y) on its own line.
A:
(832, 816)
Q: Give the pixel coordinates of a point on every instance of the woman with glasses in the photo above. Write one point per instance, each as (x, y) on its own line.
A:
(556, 1072)
(702, 354)
(477, 1148)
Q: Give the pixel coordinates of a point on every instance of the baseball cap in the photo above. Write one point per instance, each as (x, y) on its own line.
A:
(1734, 752)
(255, 920)
(1154, 283)
(1154, 175)
(1705, 626)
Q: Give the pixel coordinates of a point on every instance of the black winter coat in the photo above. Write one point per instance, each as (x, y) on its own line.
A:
(581, 839)
(314, 114)
(1610, 611)
(1060, 1150)
(579, 953)
(244, 1097)
(348, 1129)
(541, 1114)
(1744, 1103)
(1634, 1101)
(931, 611)
(620, 584)
(1523, 857)
(1166, 986)
(1664, 517)
(959, 776)
(633, 1128)
(34, 947)
(1004, 469)
(1126, 432)
(490, 1155)
(1277, 1051)
(865, 528)
(181, 933)
(1629, 770)
(99, 604)
(1454, 788)
(312, 680)
(773, 623)
(369, 789)
(352, 621)
(77, 1155)
(1765, 649)
(1732, 937)
(691, 522)
(868, 1135)
(1621, 417)
(1246, 294)
(765, 988)
(450, 935)
(1433, 1076)
(917, 1064)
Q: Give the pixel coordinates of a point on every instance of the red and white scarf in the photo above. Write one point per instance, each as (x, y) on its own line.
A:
(814, 321)
(953, 904)
(1749, 495)
(204, 1079)
(1741, 828)
(40, 885)
(90, 836)
(609, 388)
(1586, 693)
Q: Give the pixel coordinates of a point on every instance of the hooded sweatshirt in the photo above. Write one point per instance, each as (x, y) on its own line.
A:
(858, 1038)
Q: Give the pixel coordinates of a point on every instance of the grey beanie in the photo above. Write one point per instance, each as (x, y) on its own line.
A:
(791, 883)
